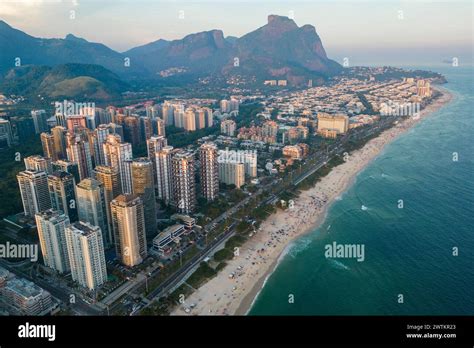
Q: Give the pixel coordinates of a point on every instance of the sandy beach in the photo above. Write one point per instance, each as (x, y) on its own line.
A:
(224, 295)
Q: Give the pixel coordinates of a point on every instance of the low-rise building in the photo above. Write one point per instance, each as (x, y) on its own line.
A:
(25, 297)
(293, 151)
(328, 133)
(163, 242)
(186, 220)
(338, 123)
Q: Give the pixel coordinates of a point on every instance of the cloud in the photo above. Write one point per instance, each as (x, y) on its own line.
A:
(16, 8)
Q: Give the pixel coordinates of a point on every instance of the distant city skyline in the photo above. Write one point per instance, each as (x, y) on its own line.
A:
(366, 32)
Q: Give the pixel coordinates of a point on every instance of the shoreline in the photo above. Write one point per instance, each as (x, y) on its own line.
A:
(247, 302)
(261, 254)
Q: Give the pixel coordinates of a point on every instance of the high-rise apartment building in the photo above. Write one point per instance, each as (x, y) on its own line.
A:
(91, 207)
(168, 113)
(34, 191)
(178, 115)
(228, 127)
(225, 106)
(67, 166)
(143, 186)
(128, 222)
(189, 120)
(110, 179)
(209, 173)
(78, 151)
(131, 130)
(200, 118)
(61, 186)
(100, 134)
(116, 155)
(154, 144)
(209, 117)
(164, 173)
(250, 164)
(116, 129)
(153, 111)
(146, 128)
(183, 181)
(40, 120)
(47, 142)
(74, 122)
(60, 142)
(232, 173)
(229, 105)
(103, 116)
(86, 254)
(159, 127)
(38, 163)
(234, 104)
(51, 225)
(247, 158)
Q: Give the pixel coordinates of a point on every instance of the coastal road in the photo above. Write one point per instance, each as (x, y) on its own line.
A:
(127, 287)
(175, 279)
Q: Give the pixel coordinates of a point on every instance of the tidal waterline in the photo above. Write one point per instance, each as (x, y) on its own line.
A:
(418, 254)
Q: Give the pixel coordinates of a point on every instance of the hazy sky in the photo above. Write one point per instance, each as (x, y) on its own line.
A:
(367, 32)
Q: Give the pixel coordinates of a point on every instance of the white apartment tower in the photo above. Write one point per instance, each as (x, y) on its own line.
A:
(86, 254)
(209, 172)
(189, 120)
(232, 173)
(164, 174)
(51, 225)
(34, 191)
(154, 144)
(184, 188)
(100, 134)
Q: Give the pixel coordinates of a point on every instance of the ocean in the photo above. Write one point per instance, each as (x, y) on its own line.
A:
(412, 209)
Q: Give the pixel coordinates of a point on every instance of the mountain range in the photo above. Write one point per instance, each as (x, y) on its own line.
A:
(72, 80)
(278, 50)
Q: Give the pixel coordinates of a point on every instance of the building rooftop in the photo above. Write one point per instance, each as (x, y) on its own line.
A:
(106, 169)
(31, 173)
(168, 232)
(183, 217)
(24, 288)
(126, 200)
(83, 228)
(59, 174)
(52, 215)
(142, 161)
(89, 184)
